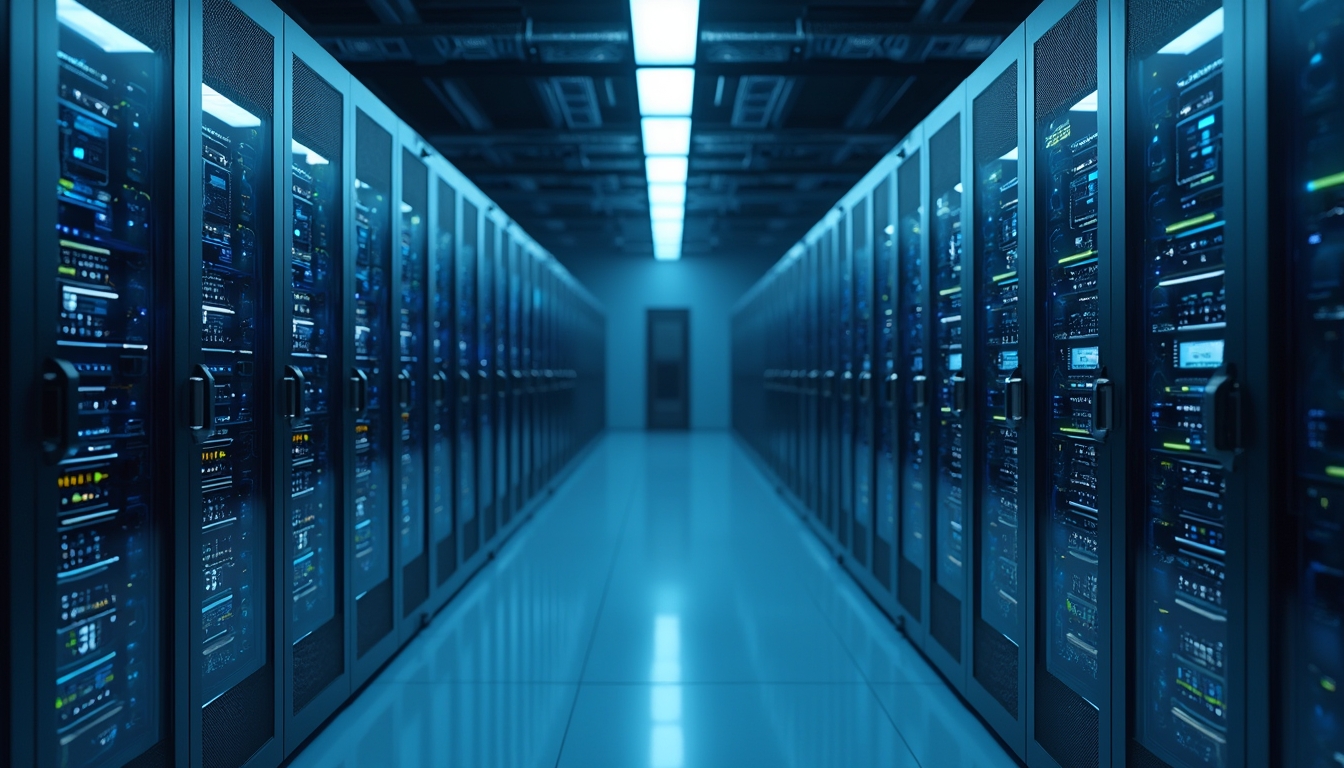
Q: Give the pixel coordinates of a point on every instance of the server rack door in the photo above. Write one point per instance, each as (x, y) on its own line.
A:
(812, 402)
(412, 377)
(504, 244)
(844, 271)
(529, 407)
(372, 381)
(797, 378)
(830, 353)
(517, 258)
(442, 362)
(885, 382)
(951, 360)
(234, 268)
(485, 356)
(545, 352)
(862, 245)
(310, 344)
(1072, 626)
(466, 263)
(914, 399)
(1306, 39)
(1000, 467)
(90, 519)
(1189, 578)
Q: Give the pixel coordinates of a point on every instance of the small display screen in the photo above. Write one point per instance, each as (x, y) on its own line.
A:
(1008, 360)
(954, 361)
(1084, 357)
(1200, 354)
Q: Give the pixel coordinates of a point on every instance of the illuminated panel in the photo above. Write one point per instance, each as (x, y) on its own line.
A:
(411, 377)
(1183, 615)
(844, 276)
(465, 272)
(517, 258)
(107, 598)
(912, 429)
(503, 334)
(863, 372)
(884, 367)
(485, 371)
(443, 348)
(1317, 231)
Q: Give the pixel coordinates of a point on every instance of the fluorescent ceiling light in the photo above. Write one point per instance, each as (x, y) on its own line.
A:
(1087, 104)
(667, 231)
(665, 31)
(1010, 154)
(1196, 37)
(667, 212)
(98, 30)
(215, 103)
(310, 157)
(665, 92)
(671, 170)
(668, 252)
(667, 135)
(671, 194)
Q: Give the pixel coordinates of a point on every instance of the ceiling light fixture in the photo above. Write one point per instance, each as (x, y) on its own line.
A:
(667, 135)
(665, 92)
(665, 31)
(666, 169)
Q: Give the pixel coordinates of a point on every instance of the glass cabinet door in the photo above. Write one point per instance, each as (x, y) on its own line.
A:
(912, 430)
(885, 382)
(466, 377)
(411, 379)
(442, 359)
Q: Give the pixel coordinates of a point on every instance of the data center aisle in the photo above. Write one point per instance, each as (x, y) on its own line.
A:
(665, 609)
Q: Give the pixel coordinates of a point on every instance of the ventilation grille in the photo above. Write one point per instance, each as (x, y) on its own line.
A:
(1153, 23)
(945, 620)
(1066, 725)
(373, 153)
(907, 187)
(318, 111)
(149, 21)
(910, 587)
(239, 722)
(995, 123)
(945, 157)
(414, 182)
(373, 614)
(237, 56)
(1066, 60)
(1140, 757)
(996, 665)
(319, 659)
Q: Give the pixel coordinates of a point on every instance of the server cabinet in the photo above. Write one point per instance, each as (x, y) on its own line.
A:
(466, 265)
(797, 378)
(1305, 76)
(812, 401)
(1079, 356)
(545, 352)
(951, 359)
(913, 462)
(310, 344)
(485, 372)
(503, 331)
(518, 254)
(529, 370)
(443, 527)
(844, 276)
(997, 683)
(1201, 374)
(372, 382)
(412, 382)
(90, 522)
(861, 239)
(885, 382)
(236, 273)
(829, 317)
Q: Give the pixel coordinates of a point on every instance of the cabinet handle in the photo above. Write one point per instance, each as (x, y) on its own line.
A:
(404, 390)
(359, 390)
(201, 404)
(958, 393)
(919, 390)
(1222, 415)
(889, 391)
(1103, 407)
(1014, 398)
(292, 393)
(865, 386)
(60, 410)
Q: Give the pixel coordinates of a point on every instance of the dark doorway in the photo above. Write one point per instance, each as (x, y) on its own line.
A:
(669, 391)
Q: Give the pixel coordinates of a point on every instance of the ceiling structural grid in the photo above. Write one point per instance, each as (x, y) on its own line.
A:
(665, 34)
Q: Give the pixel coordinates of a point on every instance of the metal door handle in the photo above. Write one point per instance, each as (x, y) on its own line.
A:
(1103, 407)
(889, 391)
(1014, 398)
(1222, 415)
(359, 391)
(919, 390)
(865, 386)
(60, 409)
(404, 390)
(201, 404)
(847, 386)
(292, 387)
(958, 393)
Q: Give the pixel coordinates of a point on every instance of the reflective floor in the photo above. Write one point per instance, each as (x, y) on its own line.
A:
(664, 609)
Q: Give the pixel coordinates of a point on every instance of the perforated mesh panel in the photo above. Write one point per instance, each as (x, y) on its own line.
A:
(994, 122)
(1066, 725)
(374, 617)
(945, 156)
(237, 56)
(415, 587)
(149, 21)
(319, 659)
(239, 722)
(1150, 22)
(945, 620)
(414, 181)
(1066, 60)
(909, 589)
(996, 665)
(318, 110)
(1138, 756)
(158, 756)
(373, 152)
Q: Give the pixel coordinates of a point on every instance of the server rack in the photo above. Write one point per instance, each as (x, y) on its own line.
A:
(501, 374)
(829, 327)
(1303, 82)
(999, 518)
(948, 284)
(310, 346)
(235, 268)
(468, 254)
(374, 575)
(486, 328)
(861, 239)
(410, 401)
(518, 253)
(844, 478)
(885, 383)
(440, 494)
(124, 684)
(812, 401)
(913, 416)
(529, 265)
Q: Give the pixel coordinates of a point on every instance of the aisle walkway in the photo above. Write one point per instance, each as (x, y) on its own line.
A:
(666, 609)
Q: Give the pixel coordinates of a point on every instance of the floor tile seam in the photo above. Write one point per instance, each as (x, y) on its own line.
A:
(597, 617)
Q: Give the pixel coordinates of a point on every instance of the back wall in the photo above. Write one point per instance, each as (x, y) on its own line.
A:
(708, 286)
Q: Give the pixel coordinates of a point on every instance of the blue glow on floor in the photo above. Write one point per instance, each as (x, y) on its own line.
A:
(664, 609)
